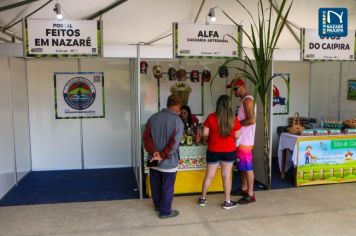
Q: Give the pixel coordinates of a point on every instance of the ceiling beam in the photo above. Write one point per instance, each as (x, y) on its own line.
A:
(18, 4)
(104, 10)
(8, 27)
(10, 34)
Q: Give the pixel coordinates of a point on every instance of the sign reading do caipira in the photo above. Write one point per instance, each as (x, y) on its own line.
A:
(62, 38)
(328, 48)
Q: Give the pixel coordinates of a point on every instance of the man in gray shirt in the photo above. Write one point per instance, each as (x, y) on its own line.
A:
(161, 139)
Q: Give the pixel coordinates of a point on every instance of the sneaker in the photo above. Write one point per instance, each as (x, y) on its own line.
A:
(202, 202)
(240, 192)
(174, 213)
(229, 205)
(247, 199)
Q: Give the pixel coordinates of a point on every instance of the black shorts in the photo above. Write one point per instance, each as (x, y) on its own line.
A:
(217, 157)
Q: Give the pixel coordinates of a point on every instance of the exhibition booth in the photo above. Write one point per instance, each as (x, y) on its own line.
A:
(47, 132)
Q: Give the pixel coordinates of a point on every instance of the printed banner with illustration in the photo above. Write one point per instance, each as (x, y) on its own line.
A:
(79, 95)
(281, 91)
(328, 48)
(70, 38)
(326, 160)
(196, 40)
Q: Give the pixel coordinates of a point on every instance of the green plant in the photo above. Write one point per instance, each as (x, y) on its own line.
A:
(264, 35)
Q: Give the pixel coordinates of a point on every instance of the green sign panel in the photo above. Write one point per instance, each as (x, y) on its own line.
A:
(340, 144)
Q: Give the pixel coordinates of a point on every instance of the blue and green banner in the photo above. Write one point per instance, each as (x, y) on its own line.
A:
(323, 160)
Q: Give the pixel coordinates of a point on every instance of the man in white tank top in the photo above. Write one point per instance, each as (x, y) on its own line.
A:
(246, 114)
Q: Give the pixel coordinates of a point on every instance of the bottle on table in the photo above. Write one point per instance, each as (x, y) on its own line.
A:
(189, 137)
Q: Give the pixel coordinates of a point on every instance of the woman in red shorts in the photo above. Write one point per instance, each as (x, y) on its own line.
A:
(222, 129)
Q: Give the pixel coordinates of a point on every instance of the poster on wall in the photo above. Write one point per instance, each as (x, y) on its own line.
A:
(351, 90)
(281, 91)
(65, 38)
(329, 160)
(215, 41)
(327, 48)
(79, 95)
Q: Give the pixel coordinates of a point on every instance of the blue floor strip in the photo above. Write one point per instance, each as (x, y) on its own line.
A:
(43, 187)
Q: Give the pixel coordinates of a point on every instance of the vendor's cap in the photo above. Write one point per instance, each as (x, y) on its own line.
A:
(143, 67)
(205, 75)
(235, 83)
(173, 100)
(194, 76)
(157, 71)
(182, 75)
(172, 73)
(223, 72)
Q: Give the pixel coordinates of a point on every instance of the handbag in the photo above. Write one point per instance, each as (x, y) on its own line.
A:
(296, 128)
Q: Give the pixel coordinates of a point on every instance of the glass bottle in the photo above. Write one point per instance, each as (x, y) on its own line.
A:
(189, 137)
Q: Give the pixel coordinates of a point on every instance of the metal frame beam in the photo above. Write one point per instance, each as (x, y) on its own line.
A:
(104, 10)
(18, 4)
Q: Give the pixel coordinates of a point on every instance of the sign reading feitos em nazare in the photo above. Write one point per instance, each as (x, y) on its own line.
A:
(328, 48)
(67, 38)
(196, 40)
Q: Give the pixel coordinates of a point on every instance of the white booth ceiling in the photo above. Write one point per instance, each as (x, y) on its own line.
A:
(133, 21)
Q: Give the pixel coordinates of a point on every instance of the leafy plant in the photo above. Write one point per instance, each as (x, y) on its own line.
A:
(264, 35)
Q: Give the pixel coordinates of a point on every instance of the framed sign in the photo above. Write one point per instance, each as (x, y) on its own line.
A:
(214, 41)
(191, 94)
(327, 48)
(79, 95)
(324, 160)
(66, 38)
(281, 91)
(351, 90)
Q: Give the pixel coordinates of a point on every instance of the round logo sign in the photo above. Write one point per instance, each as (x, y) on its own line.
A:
(79, 93)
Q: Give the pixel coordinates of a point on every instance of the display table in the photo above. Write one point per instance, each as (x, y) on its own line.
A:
(319, 159)
(191, 172)
(286, 142)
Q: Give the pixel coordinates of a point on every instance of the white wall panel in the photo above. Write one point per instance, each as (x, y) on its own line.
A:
(55, 144)
(299, 95)
(106, 141)
(21, 118)
(324, 90)
(7, 159)
(347, 107)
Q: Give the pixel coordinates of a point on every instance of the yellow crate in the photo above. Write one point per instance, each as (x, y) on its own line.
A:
(191, 182)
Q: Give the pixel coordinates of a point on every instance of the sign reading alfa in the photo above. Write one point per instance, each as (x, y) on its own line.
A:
(196, 40)
(79, 95)
(50, 38)
(328, 48)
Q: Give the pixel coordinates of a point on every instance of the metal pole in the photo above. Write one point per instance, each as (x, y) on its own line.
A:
(81, 127)
(12, 119)
(339, 102)
(28, 114)
(138, 122)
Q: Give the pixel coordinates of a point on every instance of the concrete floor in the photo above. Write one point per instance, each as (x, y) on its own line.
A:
(315, 210)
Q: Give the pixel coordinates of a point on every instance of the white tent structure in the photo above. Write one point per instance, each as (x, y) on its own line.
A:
(128, 22)
(26, 85)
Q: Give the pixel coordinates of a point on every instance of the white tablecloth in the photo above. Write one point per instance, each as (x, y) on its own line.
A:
(289, 142)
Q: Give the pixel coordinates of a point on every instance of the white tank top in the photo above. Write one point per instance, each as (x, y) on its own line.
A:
(247, 132)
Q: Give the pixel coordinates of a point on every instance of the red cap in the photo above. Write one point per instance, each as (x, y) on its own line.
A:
(235, 83)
